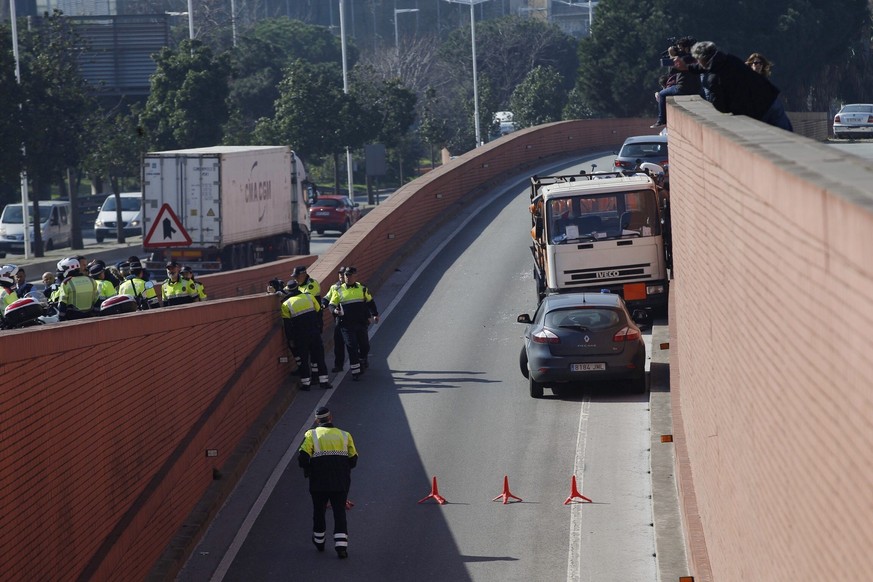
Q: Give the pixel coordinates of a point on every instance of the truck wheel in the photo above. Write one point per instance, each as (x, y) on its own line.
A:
(304, 244)
(536, 389)
(522, 362)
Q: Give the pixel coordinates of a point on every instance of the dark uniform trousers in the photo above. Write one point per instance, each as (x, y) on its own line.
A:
(309, 352)
(337, 501)
(357, 341)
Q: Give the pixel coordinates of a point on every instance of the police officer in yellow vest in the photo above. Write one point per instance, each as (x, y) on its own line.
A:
(197, 290)
(78, 293)
(354, 306)
(327, 457)
(300, 314)
(176, 290)
(339, 346)
(7, 287)
(105, 288)
(141, 290)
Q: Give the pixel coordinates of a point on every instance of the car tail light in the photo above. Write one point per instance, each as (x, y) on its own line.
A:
(626, 334)
(836, 119)
(545, 337)
(870, 119)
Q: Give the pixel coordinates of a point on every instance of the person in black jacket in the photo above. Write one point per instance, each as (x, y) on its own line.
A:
(732, 87)
(327, 457)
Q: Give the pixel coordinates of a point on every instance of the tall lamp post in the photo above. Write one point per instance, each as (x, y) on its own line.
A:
(342, 17)
(472, 4)
(25, 211)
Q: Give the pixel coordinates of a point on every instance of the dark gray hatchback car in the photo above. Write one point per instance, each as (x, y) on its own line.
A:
(582, 337)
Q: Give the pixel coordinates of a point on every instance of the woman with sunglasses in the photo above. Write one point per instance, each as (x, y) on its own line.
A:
(759, 64)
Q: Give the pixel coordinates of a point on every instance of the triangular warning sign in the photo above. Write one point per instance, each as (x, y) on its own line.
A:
(167, 230)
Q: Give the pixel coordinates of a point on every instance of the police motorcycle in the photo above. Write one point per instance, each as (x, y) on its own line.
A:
(32, 309)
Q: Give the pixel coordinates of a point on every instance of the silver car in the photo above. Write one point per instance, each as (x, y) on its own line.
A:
(854, 120)
(580, 337)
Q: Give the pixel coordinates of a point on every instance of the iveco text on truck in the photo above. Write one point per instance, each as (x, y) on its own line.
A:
(238, 206)
(593, 232)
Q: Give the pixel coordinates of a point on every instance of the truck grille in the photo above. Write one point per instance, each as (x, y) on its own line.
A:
(601, 275)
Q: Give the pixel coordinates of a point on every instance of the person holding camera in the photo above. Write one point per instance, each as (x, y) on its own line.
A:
(735, 88)
(683, 82)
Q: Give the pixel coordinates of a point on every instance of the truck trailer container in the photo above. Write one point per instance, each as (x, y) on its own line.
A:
(224, 207)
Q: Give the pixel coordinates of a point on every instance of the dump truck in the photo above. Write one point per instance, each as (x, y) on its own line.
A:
(224, 207)
(606, 231)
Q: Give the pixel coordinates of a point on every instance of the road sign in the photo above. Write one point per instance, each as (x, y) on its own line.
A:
(167, 231)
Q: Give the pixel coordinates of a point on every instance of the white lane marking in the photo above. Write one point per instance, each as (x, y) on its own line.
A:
(574, 566)
(270, 485)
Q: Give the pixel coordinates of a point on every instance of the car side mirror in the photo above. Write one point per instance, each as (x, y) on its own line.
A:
(523, 318)
(642, 317)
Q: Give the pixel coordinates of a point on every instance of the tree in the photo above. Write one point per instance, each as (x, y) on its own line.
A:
(314, 116)
(507, 49)
(118, 145)
(539, 99)
(57, 106)
(260, 60)
(187, 104)
(11, 161)
(432, 128)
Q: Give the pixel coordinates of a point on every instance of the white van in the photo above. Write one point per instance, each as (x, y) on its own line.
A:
(131, 216)
(57, 226)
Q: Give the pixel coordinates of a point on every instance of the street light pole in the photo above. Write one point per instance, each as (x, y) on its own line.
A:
(25, 211)
(349, 167)
(472, 4)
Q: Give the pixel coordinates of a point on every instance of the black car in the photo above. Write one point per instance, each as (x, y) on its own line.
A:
(579, 337)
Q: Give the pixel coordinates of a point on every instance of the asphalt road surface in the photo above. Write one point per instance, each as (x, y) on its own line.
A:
(444, 398)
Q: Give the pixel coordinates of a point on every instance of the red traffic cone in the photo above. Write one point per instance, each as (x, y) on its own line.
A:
(574, 493)
(435, 494)
(349, 504)
(506, 495)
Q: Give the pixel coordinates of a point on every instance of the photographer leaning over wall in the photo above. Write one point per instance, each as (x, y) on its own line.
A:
(680, 82)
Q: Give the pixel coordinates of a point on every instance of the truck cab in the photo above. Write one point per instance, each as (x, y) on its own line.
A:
(595, 232)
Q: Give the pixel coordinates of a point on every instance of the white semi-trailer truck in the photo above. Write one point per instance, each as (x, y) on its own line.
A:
(224, 207)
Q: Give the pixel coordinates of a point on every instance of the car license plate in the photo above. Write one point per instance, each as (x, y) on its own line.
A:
(322, 214)
(587, 367)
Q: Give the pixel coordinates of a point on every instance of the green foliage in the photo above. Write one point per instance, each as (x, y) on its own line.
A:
(576, 107)
(432, 128)
(618, 64)
(389, 107)
(260, 60)
(11, 129)
(187, 104)
(539, 99)
(507, 49)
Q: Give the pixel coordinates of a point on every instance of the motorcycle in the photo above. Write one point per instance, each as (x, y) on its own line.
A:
(32, 309)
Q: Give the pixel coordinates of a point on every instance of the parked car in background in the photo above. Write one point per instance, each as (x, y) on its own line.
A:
(642, 148)
(855, 120)
(56, 227)
(583, 337)
(332, 212)
(131, 216)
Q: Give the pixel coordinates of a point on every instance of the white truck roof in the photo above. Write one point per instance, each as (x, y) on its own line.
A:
(221, 149)
(595, 186)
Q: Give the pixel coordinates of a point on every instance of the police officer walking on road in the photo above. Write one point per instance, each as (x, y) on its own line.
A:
(354, 306)
(327, 457)
(300, 316)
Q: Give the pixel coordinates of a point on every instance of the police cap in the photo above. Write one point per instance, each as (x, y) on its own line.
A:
(322, 414)
(134, 267)
(187, 269)
(172, 264)
(351, 271)
(95, 269)
(298, 270)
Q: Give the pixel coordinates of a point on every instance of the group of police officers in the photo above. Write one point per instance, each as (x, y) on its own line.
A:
(328, 453)
(80, 288)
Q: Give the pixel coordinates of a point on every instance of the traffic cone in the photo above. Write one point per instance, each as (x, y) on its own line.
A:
(574, 493)
(506, 495)
(435, 493)
(349, 504)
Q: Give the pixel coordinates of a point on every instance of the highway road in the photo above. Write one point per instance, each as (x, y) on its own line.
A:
(444, 398)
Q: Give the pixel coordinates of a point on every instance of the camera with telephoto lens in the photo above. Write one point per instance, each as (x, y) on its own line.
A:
(676, 49)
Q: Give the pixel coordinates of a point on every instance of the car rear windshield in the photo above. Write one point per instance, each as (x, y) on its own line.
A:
(584, 318)
(857, 109)
(644, 150)
(328, 202)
